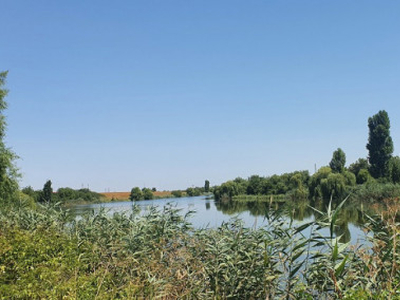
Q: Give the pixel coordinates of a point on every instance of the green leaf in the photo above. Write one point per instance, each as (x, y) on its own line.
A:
(335, 251)
(340, 267)
(294, 271)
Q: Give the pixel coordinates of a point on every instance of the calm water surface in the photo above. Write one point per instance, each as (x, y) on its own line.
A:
(211, 214)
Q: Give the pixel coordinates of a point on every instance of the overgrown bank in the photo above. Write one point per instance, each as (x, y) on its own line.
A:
(45, 253)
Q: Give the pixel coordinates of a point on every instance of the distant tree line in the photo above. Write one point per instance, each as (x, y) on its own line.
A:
(63, 195)
(334, 180)
(146, 194)
(294, 183)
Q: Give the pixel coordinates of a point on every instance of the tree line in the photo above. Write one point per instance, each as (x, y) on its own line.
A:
(334, 180)
(147, 194)
(62, 195)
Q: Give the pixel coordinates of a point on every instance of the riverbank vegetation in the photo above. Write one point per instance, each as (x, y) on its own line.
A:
(46, 253)
(138, 194)
(374, 178)
(65, 196)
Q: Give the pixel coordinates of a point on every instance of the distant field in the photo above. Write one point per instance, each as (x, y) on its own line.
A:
(125, 195)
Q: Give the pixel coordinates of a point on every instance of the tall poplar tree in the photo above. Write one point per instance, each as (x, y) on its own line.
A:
(380, 144)
(206, 186)
(47, 193)
(8, 171)
(338, 161)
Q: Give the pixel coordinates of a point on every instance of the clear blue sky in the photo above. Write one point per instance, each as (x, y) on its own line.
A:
(166, 94)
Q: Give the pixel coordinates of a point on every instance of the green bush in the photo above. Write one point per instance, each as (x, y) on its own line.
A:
(363, 176)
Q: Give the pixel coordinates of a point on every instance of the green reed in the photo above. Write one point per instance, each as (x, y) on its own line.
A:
(48, 253)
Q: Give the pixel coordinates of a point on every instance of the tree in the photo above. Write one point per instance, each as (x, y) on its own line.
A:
(67, 194)
(206, 186)
(136, 194)
(316, 182)
(255, 185)
(350, 178)
(363, 176)
(380, 144)
(31, 193)
(360, 164)
(8, 171)
(147, 194)
(28, 191)
(333, 186)
(47, 193)
(227, 190)
(338, 161)
(177, 193)
(190, 192)
(194, 191)
(298, 190)
(394, 169)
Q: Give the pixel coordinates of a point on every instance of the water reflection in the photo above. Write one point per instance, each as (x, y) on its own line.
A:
(212, 214)
(351, 213)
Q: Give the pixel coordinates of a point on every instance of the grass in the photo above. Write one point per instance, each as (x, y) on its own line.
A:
(46, 253)
(260, 198)
(376, 192)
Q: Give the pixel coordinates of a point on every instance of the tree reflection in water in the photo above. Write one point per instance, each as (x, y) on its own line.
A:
(303, 210)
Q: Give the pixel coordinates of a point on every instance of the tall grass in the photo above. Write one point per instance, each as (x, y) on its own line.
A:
(376, 192)
(261, 198)
(47, 253)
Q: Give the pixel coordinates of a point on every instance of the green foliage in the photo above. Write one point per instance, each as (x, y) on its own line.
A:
(260, 198)
(227, 190)
(242, 183)
(8, 172)
(316, 182)
(176, 193)
(240, 263)
(375, 191)
(141, 194)
(324, 184)
(39, 264)
(147, 194)
(206, 186)
(47, 192)
(67, 194)
(194, 191)
(350, 178)
(27, 200)
(136, 194)
(338, 161)
(394, 169)
(46, 254)
(333, 186)
(363, 176)
(29, 191)
(360, 164)
(380, 144)
(255, 186)
(299, 191)
(294, 183)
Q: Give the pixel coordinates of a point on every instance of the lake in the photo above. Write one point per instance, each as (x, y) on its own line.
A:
(211, 214)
